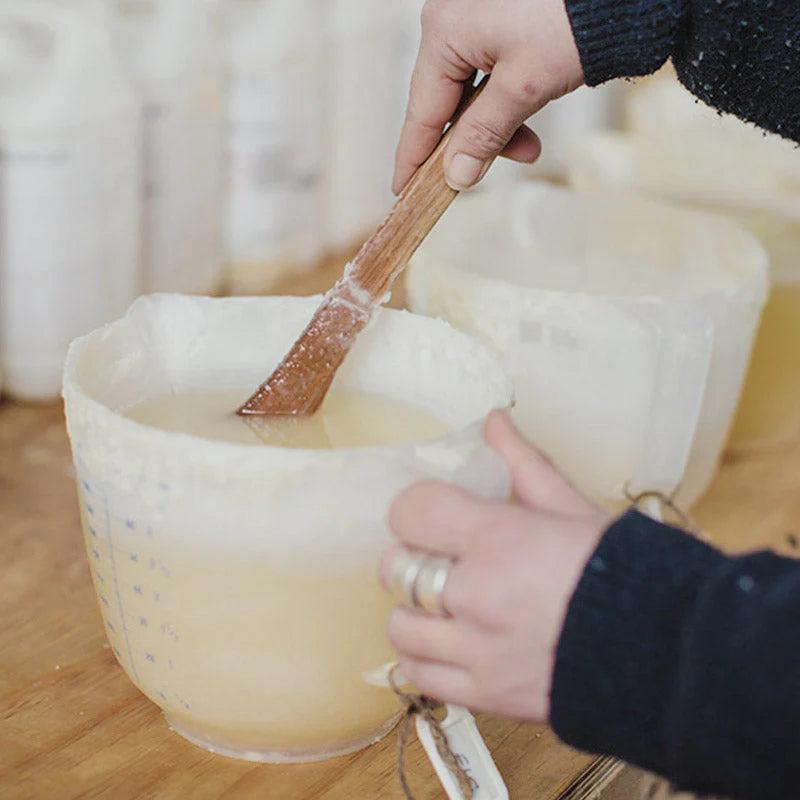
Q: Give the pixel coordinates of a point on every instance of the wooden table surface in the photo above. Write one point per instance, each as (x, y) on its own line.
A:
(72, 724)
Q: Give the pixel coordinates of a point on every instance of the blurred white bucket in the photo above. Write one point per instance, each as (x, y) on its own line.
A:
(626, 325)
(756, 182)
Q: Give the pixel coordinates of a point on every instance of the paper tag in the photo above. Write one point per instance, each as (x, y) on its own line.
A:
(471, 752)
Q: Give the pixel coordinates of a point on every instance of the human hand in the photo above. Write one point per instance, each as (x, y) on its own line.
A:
(515, 569)
(529, 49)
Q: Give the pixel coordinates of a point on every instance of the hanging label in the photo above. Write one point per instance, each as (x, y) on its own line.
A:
(463, 738)
(471, 753)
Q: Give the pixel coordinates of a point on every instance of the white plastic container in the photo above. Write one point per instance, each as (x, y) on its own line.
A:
(362, 128)
(174, 55)
(407, 35)
(756, 183)
(275, 140)
(565, 122)
(561, 125)
(238, 584)
(626, 325)
(69, 199)
(659, 107)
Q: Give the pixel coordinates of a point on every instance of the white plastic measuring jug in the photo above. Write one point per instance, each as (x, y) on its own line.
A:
(238, 583)
(625, 324)
(757, 184)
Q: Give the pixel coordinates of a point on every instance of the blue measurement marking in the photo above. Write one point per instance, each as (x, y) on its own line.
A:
(182, 701)
(129, 524)
(116, 587)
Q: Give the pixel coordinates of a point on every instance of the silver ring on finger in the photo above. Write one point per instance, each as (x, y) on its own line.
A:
(428, 589)
(403, 573)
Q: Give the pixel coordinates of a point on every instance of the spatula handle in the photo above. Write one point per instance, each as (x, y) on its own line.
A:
(418, 208)
(299, 384)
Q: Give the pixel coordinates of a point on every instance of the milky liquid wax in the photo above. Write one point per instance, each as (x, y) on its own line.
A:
(253, 655)
(346, 419)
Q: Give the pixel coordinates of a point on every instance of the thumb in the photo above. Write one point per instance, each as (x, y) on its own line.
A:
(486, 129)
(535, 480)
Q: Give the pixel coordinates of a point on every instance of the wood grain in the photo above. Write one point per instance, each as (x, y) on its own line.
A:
(72, 725)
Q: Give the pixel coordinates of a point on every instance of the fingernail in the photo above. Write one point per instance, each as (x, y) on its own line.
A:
(465, 171)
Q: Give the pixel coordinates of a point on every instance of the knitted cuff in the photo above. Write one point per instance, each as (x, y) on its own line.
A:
(617, 657)
(623, 38)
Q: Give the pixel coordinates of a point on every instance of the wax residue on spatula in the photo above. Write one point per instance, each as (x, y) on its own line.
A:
(346, 419)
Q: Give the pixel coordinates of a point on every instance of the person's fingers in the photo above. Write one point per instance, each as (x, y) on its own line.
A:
(423, 129)
(444, 682)
(387, 564)
(439, 519)
(436, 89)
(535, 480)
(458, 596)
(418, 635)
(524, 146)
(487, 127)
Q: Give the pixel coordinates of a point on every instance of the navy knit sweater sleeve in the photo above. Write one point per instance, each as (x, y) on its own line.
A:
(741, 56)
(684, 661)
(673, 656)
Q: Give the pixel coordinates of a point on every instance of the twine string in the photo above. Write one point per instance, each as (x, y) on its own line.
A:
(418, 705)
(667, 501)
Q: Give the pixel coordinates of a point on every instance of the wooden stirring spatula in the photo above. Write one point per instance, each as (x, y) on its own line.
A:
(299, 384)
